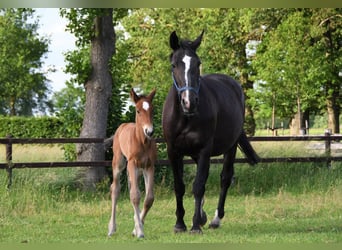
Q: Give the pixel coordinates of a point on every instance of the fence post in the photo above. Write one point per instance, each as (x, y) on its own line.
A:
(327, 133)
(9, 160)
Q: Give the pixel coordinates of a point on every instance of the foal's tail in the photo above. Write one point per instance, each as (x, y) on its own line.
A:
(247, 149)
(108, 142)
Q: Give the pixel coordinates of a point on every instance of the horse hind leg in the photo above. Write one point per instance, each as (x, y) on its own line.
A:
(227, 175)
(134, 192)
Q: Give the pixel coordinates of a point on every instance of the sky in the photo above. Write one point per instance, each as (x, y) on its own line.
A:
(53, 26)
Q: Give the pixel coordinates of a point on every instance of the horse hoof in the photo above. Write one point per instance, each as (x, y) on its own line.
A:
(204, 219)
(179, 229)
(196, 231)
(214, 225)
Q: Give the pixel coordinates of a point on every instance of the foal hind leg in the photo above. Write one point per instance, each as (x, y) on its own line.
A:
(134, 193)
(118, 164)
(227, 175)
(149, 197)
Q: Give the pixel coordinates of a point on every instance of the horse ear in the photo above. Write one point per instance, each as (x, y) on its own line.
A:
(196, 43)
(174, 41)
(134, 96)
(151, 95)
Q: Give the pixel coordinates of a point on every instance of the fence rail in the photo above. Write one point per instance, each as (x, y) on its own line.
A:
(9, 141)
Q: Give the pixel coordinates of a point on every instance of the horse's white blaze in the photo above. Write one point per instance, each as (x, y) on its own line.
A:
(146, 105)
(186, 60)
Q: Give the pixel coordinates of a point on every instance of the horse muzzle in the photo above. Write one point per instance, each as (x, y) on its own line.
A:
(189, 103)
(148, 131)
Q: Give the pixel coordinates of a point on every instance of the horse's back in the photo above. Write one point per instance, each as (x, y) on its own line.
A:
(227, 98)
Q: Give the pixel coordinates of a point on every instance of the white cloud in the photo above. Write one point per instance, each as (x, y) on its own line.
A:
(53, 26)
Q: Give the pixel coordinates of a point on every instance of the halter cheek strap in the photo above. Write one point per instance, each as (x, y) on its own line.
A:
(182, 89)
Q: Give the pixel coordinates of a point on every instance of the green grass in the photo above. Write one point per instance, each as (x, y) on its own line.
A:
(283, 203)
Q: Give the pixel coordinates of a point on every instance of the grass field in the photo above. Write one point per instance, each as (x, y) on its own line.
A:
(282, 203)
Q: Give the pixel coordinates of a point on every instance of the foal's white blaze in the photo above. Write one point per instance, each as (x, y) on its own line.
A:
(146, 105)
(186, 59)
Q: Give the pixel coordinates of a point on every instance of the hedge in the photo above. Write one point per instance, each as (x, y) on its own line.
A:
(31, 127)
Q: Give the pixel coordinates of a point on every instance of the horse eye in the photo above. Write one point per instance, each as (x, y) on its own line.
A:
(138, 111)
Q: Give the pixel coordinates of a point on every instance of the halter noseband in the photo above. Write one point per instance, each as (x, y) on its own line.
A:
(182, 89)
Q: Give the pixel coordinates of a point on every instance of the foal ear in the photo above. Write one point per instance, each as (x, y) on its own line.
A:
(196, 43)
(151, 95)
(135, 98)
(174, 41)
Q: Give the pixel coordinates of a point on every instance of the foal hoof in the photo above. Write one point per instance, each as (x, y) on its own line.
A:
(138, 235)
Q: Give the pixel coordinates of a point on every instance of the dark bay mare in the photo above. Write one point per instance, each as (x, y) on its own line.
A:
(203, 116)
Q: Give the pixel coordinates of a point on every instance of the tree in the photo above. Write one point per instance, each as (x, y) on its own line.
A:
(94, 27)
(326, 32)
(293, 64)
(23, 85)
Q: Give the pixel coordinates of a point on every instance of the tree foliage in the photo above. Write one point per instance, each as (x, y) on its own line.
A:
(23, 84)
(299, 61)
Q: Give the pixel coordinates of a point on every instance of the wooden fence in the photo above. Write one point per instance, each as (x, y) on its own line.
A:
(9, 141)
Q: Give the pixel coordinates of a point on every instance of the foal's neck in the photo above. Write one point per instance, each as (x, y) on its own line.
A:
(139, 135)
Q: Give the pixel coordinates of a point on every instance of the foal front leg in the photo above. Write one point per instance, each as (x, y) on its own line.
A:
(134, 192)
(149, 197)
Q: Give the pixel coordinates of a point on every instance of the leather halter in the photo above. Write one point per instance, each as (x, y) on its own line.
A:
(190, 88)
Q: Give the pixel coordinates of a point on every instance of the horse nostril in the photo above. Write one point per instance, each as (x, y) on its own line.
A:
(185, 103)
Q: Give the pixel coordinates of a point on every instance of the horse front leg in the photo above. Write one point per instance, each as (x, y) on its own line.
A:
(149, 197)
(134, 193)
(227, 175)
(200, 218)
(179, 188)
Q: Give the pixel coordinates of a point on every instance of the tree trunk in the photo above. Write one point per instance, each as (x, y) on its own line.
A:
(295, 124)
(249, 125)
(333, 113)
(98, 93)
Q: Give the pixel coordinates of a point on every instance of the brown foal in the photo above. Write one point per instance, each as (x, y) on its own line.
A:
(133, 143)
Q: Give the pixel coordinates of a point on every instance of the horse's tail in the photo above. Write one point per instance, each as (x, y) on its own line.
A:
(247, 149)
(108, 142)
